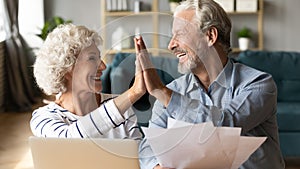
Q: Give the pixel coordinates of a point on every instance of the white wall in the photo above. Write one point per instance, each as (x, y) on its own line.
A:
(82, 12)
(281, 19)
(282, 25)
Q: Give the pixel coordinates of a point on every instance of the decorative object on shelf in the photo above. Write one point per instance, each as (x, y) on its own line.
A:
(120, 39)
(173, 4)
(244, 36)
(137, 6)
(145, 6)
(51, 24)
(227, 5)
(116, 5)
(246, 5)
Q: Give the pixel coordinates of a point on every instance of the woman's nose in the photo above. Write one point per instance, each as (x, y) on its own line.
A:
(102, 65)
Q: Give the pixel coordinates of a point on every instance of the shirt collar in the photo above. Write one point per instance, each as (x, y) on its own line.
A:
(194, 82)
(223, 79)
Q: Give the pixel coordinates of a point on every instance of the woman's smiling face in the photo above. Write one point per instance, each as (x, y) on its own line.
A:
(88, 70)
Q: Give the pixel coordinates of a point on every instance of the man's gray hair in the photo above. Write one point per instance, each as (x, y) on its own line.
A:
(210, 14)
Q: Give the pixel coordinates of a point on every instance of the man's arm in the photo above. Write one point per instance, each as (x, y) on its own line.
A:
(153, 83)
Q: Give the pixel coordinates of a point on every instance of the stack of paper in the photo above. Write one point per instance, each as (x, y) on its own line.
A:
(185, 145)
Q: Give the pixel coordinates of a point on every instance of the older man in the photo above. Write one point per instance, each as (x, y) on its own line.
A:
(214, 88)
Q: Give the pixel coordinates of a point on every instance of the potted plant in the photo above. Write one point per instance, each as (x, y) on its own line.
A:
(244, 36)
(173, 4)
(51, 24)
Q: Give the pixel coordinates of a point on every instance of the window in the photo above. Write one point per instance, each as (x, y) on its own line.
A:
(29, 28)
(4, 26)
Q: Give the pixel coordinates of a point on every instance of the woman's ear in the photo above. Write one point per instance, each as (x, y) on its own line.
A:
(212, 36)
(68, 76)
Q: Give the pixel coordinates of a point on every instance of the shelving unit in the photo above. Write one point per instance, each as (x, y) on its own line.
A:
(153, 20)
(153, 14)
(259, 18)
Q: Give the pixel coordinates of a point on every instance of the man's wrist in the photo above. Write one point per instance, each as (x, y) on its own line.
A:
(163, 95)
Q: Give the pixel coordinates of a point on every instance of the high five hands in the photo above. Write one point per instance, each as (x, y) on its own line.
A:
(152, 81)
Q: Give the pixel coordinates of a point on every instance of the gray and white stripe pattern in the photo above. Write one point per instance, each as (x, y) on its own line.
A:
(104, 122)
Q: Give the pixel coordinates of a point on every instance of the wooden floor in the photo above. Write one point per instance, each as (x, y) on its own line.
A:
(14, 150)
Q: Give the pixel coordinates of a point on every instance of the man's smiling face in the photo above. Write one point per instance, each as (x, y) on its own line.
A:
(188, 42)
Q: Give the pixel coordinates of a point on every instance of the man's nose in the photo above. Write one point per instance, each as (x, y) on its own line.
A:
(173, 44)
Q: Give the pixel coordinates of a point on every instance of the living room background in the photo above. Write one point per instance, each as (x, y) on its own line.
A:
(280, 19)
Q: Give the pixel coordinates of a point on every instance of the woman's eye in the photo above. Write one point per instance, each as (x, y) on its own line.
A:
(92, 57)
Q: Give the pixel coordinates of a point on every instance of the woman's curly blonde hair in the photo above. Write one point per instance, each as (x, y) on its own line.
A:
(58, 55)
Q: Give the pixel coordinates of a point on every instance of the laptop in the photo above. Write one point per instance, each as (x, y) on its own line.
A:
(73, 153)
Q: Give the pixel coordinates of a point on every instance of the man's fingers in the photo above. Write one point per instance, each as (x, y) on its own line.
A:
(142, 54)
(145, 61)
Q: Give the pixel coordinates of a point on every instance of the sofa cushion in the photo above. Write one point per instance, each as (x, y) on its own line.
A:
(123, 70)
(283, 66)
(289, 144)
(288, 116)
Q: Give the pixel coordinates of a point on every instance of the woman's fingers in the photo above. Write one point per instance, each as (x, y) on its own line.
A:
(137, 48)
(138, 68)
(143, 54)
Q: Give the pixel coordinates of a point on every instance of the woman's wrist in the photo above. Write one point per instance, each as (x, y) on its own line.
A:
(133, 95)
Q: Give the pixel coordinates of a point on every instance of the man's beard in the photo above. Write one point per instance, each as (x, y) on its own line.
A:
(187, 66)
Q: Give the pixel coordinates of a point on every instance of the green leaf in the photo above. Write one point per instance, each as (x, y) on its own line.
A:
(245, 32)
(51, 24)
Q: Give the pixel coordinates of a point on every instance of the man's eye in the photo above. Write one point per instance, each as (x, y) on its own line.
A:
(179, 34)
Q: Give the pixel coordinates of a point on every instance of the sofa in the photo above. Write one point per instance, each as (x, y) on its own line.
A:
(283, 66)
(285, 69)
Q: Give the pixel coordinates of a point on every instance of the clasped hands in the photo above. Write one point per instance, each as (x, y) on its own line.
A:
(146, 76)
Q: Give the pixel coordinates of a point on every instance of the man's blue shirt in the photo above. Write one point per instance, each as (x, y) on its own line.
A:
(239, 97)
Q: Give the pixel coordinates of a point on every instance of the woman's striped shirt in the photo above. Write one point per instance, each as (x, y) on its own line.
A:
(105, 122)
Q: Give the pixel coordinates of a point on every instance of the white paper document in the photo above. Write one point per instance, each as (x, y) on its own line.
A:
(192, 146)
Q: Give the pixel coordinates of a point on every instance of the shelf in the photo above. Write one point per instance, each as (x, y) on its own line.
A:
(154, 18)
(237, 50)
(166, 51)
(150, 50)
(243, 13)
(127, 13)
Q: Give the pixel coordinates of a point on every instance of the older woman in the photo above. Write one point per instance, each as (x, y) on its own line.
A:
(69, 65)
